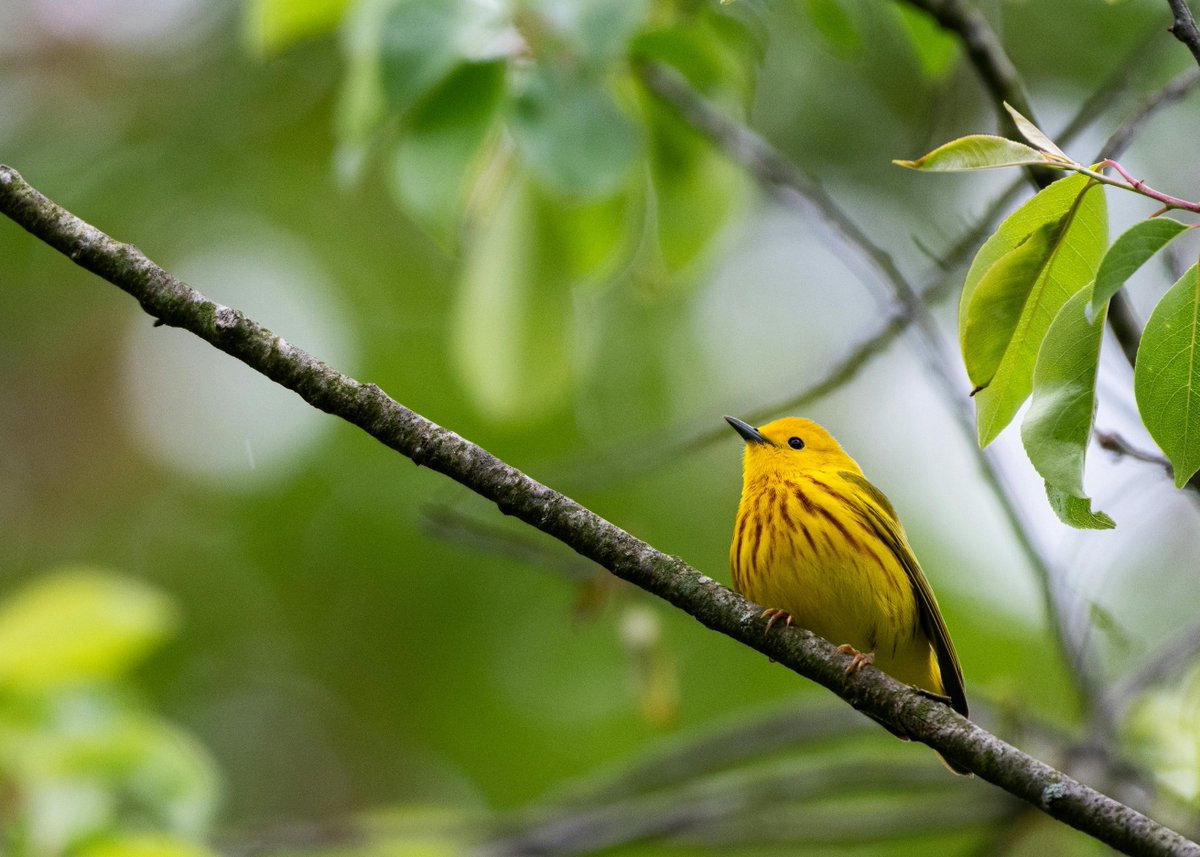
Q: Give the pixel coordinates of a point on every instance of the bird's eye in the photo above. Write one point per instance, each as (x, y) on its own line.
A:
(795, 443)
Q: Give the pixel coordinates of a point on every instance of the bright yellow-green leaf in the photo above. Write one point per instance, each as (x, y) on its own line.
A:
(513, 324)
(979, 152)
(1071, 264)
(1129, 252)
(442, 141)
(1035, 135)
(1077, 511)
(272, 26)
(1058, 424)
(998, 301)
(1166, 378)
(1047, 206)
(836, 25)
(143, 845)
(78, 625)
(936, 49)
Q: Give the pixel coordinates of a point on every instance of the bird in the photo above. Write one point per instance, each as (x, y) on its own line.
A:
(818, 545)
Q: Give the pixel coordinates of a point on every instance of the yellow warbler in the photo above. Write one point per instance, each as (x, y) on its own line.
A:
(816, 543)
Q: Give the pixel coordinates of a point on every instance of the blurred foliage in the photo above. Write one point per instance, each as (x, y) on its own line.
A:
(85, 768)
(521, 132)
(478, 205)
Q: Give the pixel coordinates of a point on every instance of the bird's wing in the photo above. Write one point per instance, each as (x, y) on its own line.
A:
(886, 525)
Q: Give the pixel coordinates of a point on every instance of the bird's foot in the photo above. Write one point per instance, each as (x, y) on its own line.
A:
(775, 614)
(857, 659)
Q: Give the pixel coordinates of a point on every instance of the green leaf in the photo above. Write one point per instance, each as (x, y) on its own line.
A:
(1058, 423)
(1048, 205)
(717, 53)
(1077, 511)
(442, 141)
(361, 105)
(78, 625)
(143, 845)
(936, 50)
(1166, 377)
(591, 236)
(1128, 253)
(597, 30)
(271, 26)
(1074, 254)
(418, 48)
(513, 323)
(979, 152)
(997, 303)
(694, 188)
(420, 43)
(571, 135)
(698, 59)
(1035, 135)
(835, 24)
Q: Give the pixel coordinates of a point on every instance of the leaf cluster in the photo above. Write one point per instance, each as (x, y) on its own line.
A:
(1032, 315)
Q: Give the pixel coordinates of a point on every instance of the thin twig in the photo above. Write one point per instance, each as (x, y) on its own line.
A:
(716, 809)
(1167, 660)
(1106, 93)
(1184, 26)
(1121, 319)
(748, 736)
(451, 525)
(1176, 89)
(1116, 444)
(996, 71)
(172, 302)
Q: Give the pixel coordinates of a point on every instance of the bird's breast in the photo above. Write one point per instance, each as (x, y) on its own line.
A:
(800, 545)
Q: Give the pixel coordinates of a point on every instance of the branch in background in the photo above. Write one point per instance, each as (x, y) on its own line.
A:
(1105, 95)
(983, 48)
(1184, 26)
(1117, 445)
(750, 736)
(170, 301)
(775, 173)
(732, 810)
(1176, 89)
(449, 525)
(645, 454)
(1172, 656)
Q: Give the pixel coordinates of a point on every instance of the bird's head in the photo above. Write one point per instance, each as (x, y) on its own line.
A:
(790, 444)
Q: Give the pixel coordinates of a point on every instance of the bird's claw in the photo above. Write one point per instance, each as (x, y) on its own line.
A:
(857, 659)
(775, 615)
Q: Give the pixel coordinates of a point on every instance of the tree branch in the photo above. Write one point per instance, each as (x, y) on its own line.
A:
(983, 48)
(172, 302)
(1184, 26)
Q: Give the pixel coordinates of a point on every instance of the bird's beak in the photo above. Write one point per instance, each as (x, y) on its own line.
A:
(748, 432)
